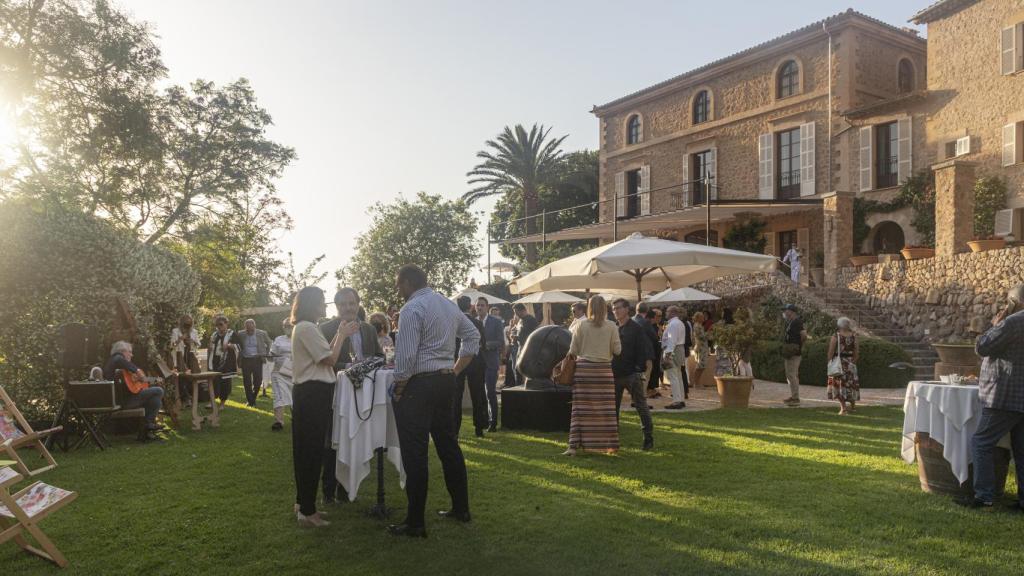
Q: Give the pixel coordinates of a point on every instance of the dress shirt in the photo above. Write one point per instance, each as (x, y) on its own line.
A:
(429, 323)
(1001, 384)
(675, 335)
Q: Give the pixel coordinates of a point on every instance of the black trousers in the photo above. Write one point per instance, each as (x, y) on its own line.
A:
(252, 376)
(223, 388)
(472, 378)
(329, 479)
(510, 368)
(311, 416)
(424, 412)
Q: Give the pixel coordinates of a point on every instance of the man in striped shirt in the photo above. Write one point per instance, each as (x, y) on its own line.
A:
(424, 394)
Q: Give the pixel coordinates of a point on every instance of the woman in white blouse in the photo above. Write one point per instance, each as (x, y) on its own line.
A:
(281, 375)
(184, 343)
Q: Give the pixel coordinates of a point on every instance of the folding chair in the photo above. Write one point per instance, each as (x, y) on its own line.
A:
(21, 512)
(15, 433)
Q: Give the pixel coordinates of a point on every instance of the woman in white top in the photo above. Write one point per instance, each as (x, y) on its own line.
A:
(313, 375)
(281, 376)
(594, 425)
(184, 343)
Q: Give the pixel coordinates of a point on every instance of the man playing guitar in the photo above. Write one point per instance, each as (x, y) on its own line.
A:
(142, 394)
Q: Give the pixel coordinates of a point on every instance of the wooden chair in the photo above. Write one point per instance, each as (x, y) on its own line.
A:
(21, 512)
(15, 434)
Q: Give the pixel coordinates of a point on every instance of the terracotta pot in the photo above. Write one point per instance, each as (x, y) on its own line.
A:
(818, 276)
(983, 245)
(917, 253)
(862, 260)
(734, 391)
(957, 354)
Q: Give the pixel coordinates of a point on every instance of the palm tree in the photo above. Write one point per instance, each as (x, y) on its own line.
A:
(516, 162)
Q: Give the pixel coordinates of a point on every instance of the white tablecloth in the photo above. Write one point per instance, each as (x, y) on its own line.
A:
(357, 433)
(947, 413)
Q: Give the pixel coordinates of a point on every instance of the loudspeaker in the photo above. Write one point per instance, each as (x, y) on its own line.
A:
(78, 345)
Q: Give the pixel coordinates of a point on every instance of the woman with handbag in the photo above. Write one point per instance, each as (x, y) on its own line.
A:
(843, 353)
(593, 426)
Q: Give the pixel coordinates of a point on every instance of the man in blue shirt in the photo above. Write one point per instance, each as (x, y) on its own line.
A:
(1001, 390)
(493, 346)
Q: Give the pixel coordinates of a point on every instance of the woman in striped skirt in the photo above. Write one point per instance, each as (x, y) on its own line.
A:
(594, 427)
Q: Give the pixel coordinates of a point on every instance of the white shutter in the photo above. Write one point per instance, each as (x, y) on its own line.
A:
(687, 187)
(963, 145)
(712, 172)
(904, 150)
(1009, 144)
(865, 158)
(645, 190)
(765, 161)
(620, 194)
(1005, 224)
(807, 159)
(1009, 40)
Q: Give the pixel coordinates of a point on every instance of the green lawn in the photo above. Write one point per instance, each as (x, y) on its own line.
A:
(756, 492)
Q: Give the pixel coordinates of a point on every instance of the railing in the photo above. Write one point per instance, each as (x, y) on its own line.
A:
(888, 172)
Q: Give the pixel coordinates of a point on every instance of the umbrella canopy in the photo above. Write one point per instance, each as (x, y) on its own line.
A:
(474, 294)
(552, 297)
(685, 294)
(643, 264)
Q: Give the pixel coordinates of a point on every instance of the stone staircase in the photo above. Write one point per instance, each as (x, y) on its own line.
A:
(851, 304)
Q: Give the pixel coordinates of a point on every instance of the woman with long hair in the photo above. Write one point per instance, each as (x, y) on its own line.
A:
(313, 360)
(281, 375)
(844, 387)
(595, 341)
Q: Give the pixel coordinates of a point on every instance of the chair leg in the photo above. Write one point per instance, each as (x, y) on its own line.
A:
(49, 549)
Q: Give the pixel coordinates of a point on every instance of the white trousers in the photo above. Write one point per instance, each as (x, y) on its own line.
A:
(675, 374)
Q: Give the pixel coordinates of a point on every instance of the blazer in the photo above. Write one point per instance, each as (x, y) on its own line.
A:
(262, 342)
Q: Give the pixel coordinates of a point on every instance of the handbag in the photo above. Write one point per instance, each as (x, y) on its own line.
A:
(566, 371)
(835, 365)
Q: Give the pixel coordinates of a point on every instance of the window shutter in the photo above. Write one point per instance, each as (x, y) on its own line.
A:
(645, 190)
(865, 158)
(963, 145)
(769, 243)
(1008, 50)
(687, 187)
(765, 160)
(807, 159)
(713, 171)
(620, 194)
(904, 150)
(1009, 144)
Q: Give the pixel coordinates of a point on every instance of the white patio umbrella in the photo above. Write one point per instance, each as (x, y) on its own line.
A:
(685, 294)
(474, 294)
(546, 299)
(643, 264)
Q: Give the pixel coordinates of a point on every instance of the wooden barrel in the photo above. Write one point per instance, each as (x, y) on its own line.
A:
(936, 474)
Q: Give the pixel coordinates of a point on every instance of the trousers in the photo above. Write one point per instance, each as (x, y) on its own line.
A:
(793, 376)
(148, 398)
(993, 425)
(677, 376)
(635, 384)
(472, 378)
(252, 377)
(311, 416)
(424, 412)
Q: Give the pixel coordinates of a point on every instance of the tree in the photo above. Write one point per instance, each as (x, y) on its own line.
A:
(436, 234)
(292, 281)
(570, 199)
(517, 162)
(747, 234)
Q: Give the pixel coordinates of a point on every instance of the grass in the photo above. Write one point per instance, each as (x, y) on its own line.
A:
(750, 492)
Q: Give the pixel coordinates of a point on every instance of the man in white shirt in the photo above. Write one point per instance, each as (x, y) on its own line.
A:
(673, 342)
(793, 259)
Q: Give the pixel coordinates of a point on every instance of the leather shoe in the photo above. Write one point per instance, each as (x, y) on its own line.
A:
(648, 443)
(479, 432)
(406, 530)
(452, 514)
(493, 428)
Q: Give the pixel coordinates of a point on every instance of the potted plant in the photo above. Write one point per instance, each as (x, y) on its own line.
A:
(818, 268)
(987, 243)
(862, 259)
(917, 252)
(957, 352)
(736, 341)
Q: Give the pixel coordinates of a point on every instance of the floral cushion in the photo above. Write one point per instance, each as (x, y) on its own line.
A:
(37, 499)
(6, 473)
(8, 430)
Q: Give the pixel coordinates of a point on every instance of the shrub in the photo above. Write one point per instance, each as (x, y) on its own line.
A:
(989, 198)
(873, 369)
(816, 322)
(62, 267)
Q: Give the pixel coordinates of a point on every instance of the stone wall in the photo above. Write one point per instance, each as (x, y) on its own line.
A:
(936, 298)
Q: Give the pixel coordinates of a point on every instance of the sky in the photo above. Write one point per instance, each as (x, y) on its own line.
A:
(385, 98)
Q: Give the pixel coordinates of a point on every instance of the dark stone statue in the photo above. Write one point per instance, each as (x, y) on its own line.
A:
(544, 349)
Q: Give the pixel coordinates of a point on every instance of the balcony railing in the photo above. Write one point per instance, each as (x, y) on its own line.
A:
(888, 172)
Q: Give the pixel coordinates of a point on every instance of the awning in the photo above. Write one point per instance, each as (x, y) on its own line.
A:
(721, 211)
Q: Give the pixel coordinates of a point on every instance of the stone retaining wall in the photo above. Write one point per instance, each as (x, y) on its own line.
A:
(936, 298)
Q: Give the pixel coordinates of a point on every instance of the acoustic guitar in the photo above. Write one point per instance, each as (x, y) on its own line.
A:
(136, 383)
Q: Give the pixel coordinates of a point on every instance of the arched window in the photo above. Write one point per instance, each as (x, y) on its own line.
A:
(789, 79)
(701, 107)
(633, 129)
(906, 76)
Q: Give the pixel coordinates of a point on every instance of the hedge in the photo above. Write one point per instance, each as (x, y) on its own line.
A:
(875, 357)
(62, 267)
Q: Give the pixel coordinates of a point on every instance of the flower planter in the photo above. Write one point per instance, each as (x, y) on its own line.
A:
(818, 276)
(734, 391)
(917, 253)
(983, 245)
(958, 354)
(862, 260)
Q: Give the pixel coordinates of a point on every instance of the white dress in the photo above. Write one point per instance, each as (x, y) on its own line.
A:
(281, 376)
(793, 259)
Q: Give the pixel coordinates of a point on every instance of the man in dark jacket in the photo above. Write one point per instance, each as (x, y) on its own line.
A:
(1001, 390)
(472, 377)
(630, 366)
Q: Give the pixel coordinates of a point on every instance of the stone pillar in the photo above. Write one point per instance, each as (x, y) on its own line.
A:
(954, 206)
(837, 208)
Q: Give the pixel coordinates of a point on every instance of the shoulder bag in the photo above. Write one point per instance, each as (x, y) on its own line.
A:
(566, 375)
(835, 364)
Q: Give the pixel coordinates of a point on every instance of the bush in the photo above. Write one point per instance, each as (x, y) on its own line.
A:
(817, 323)
(62, 267)
(875, 357)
